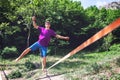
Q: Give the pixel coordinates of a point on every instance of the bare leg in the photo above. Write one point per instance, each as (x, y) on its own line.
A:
(26, 51)
(43, 63)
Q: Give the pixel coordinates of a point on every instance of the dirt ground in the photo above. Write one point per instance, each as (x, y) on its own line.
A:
(53, 76)
(43, 77)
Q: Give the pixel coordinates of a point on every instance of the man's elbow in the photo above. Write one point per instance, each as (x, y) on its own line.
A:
(36, 27)
(57, 36)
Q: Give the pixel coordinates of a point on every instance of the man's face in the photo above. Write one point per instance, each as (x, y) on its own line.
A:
(47, 24)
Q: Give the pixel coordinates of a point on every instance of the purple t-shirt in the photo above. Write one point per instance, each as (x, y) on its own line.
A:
(45, 35)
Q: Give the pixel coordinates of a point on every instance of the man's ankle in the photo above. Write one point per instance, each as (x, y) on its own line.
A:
(44, 70)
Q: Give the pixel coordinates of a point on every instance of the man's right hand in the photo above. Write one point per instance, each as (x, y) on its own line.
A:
(34, 22)
(33, 18)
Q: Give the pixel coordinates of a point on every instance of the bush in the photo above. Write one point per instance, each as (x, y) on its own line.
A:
(29, 65)
(115, 47)
(106, 42)
(107, 66)
(96, 67)
(15, 74)
(115, 77)
(9, 52)
(118, 61)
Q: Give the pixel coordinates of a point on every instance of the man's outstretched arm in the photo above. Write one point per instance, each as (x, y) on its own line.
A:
(62, 37)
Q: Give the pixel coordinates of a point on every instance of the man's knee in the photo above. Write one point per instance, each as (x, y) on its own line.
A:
(28, 49)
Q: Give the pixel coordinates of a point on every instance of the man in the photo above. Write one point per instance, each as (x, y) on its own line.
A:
(43, 42)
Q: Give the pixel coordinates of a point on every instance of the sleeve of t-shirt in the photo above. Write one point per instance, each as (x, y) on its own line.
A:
(53, 33)
(39, 28)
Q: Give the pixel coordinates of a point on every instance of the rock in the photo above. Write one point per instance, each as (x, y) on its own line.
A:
(112, 5)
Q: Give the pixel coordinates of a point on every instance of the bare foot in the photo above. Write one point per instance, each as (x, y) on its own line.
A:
(16, 60)
(44, 71)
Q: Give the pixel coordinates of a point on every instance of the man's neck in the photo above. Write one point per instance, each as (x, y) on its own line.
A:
(47, 28)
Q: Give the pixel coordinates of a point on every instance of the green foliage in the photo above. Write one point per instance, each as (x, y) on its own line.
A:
(118, 61)
(96, 68)
(9, 52)
(9, 30)
(115, 77)
(29, 65)
(67, 17)
(103, 77)
(15, 74)
(115, 47)
(75, 66)
(106, 66)
(107, 42)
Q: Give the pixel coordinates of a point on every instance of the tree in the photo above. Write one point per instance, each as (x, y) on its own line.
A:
(67, 18)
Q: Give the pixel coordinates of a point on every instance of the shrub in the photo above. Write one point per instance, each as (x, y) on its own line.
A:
(106, 42)
(115, 47)
(106, 66)
(15, 74)
(118, 61)
(115, 77)
(96, 67)
(9, 52)
(29, 65)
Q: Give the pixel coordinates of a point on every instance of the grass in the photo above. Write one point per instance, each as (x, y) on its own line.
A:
(81, 66)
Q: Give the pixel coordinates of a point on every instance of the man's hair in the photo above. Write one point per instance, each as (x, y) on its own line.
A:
(47, 22)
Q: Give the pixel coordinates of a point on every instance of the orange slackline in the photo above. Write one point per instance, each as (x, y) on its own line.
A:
(91, 40)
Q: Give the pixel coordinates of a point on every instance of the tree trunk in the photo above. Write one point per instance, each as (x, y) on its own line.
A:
(28, 38)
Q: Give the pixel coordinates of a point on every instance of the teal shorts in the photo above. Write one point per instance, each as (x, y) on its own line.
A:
(43, 50)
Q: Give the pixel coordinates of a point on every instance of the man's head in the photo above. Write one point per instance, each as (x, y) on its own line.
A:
(47, 24)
